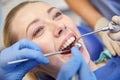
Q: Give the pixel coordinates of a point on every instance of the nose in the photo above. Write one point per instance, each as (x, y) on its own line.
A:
(59, 30)
(56, 27)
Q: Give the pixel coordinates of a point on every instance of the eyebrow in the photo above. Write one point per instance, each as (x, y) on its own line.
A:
(50, 9)
(36, 20)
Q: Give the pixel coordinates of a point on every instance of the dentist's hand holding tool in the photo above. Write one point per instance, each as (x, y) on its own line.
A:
(116, 36)
(20, 50)
(110, 44)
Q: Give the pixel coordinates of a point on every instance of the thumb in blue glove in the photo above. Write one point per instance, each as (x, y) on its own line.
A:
(70, 68)
(76, 65)
(20, 50)
(84, 72)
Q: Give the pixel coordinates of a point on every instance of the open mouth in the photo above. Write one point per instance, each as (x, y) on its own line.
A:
(68, 44)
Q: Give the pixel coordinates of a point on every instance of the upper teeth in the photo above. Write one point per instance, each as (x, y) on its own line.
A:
(68, 42)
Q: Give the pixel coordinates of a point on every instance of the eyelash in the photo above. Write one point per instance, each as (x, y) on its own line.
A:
(57, 15)
(38, 30)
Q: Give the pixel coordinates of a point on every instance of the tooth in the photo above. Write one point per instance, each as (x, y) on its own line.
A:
(62, 48)
(69, 41)
(64, 45)
(72, 38)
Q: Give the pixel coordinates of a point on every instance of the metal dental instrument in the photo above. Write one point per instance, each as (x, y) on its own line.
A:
(103, 29)
(112, 27)
(46, 55)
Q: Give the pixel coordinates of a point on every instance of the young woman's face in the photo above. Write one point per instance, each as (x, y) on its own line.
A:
(50, 29)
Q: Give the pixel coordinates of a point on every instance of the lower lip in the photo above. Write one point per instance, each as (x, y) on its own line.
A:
(67, 55)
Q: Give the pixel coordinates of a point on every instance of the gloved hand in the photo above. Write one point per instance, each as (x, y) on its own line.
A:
(76, 66)
(20, 50)
(110, 44)
(116, 36)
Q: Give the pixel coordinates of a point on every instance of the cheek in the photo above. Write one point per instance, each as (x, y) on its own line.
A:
(45, 44)
(86, 56)
(69, 22)
(85, 53)
(73, 27)
(56, 61)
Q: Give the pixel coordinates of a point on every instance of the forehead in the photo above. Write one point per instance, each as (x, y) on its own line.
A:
(32, 9)
(28, 13)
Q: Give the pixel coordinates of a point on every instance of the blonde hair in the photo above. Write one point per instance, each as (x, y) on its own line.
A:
(9, 38)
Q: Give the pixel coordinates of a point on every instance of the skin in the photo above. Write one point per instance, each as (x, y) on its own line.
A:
(49, 29)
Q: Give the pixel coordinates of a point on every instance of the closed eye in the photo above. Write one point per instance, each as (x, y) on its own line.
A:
(37, 32)
(57, 15)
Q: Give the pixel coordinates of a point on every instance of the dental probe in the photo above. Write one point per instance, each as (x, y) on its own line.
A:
(103, 29)
(46, 55)
(112, 27)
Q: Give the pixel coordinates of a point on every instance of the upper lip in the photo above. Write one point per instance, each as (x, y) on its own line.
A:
(66, 38)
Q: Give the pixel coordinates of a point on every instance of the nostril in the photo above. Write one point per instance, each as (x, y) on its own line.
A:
(65, 27)
(60, 32)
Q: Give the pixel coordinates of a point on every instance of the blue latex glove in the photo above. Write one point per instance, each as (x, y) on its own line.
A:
(76, 65)
(111, 71)
(20, 50)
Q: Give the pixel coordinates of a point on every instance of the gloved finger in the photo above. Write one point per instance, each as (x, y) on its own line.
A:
(116, 19)
(84, 71)
(115, 36)
(109, 45)
(26, 67)
(113, 47)
(107, 42)
(32, 55)
(116, 47)
(25, 43)
(71, 67)
(19, 72)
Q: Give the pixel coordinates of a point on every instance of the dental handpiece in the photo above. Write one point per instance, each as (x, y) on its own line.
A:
(46, 55)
